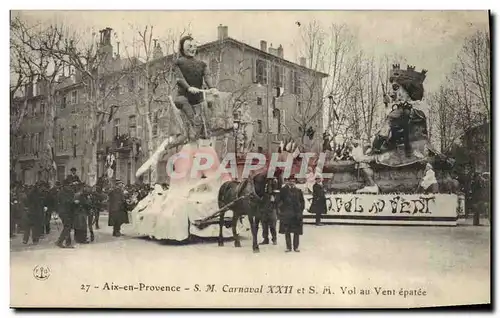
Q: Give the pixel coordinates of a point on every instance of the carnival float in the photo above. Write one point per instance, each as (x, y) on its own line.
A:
(398, 179)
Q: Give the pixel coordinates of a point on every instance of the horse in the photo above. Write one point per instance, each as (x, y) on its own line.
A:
(251, 193)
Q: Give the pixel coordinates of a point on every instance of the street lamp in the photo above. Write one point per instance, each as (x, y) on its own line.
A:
(335, 116)
(236, 127)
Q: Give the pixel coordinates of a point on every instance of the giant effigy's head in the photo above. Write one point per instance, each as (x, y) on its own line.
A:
(406, 84)
(188, 46)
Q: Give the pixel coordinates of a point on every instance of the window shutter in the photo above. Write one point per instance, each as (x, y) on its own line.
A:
(140, 123)
(282, 75)
(282, 115)
(268, 73)
(254, 70)
(292, 82)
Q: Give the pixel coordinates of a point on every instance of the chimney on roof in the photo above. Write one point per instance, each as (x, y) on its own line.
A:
(222, 32)
(302, 61)
(263, 45)
(272, 50)
(157, 52)
(280, 51)
(105, 36)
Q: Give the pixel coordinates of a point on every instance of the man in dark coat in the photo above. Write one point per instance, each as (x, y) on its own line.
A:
(318, 205)
(118, 214)
(269, 213)
(72, 178)
(33, 222)
(17, 209)
(65, 209)
(291, 208)
(81, 207)
(51, 206)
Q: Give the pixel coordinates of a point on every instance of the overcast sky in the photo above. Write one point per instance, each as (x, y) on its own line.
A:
(428, 39)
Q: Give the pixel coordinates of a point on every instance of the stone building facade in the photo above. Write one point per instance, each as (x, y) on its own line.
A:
(251, 74)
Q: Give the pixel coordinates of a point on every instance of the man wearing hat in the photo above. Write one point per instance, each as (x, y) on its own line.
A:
(72, 178)
(318, 205)
(291, 206)
(33, 221)
(66, 212)
(118, 214)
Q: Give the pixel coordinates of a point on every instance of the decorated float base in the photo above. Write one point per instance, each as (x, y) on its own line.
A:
(391, 209)
(170, 214)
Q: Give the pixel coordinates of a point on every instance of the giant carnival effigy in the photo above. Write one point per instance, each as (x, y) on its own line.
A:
(398, 179)
(200, 116)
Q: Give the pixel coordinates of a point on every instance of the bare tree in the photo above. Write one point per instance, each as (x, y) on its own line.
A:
(475, 62)
(445, 115)
(230, 78)
(33, 45)
(327, 51)
(341, 61)
(156, 81)
(100, 74)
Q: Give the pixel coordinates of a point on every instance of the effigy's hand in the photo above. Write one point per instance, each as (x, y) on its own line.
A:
(214, 91)
(387, 99)
(193, 90)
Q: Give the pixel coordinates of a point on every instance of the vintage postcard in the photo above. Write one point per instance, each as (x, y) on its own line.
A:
(250, 159)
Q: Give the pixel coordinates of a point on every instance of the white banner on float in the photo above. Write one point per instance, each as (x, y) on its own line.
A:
(388, 209)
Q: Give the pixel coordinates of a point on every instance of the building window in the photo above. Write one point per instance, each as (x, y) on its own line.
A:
(41, 141)
(261, 67)
(37, 143)
(64, 102)
(102, 88)
(33, 109)
(61, 138)
(74, 97)
(213, 66)
(297, 83)
(259, 126)
(73, 139)
(132, 126)
(42, 108)
(116, 128)
(259, 100)
(32, 144)
(131, 84)
(277, 76)
(101, 135)
(155, 124)
(23, 145)
(73, 134)
(277, 120)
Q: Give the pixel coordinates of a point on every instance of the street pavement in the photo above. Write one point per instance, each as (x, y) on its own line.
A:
(451, 263)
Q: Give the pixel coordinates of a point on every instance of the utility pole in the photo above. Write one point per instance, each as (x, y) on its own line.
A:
(333, 116)
(267, 109)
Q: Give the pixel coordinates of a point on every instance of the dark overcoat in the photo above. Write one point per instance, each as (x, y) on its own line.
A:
(318, 205)
(65, 205)
(81, 207)
(35, 202)
(118, 214)
(291, 208)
